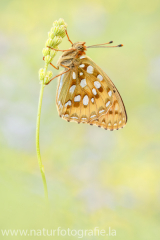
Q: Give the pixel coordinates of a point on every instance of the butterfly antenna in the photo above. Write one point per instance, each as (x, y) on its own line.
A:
(101, 45)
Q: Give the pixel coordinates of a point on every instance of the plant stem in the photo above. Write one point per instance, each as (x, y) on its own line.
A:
(37, 143)
(58, 31)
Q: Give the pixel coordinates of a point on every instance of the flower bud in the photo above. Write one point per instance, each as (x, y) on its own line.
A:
(50, 74)
(52, 53)
(61, 22)
(48, 59)
(46, 51)
(57, 31)
(56, 41)
(55, 23)
(62, 32)
(49, 42)
(51, 34)
(41, 74)
(48, 77)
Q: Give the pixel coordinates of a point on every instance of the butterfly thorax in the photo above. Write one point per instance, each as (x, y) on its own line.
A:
(70, 58)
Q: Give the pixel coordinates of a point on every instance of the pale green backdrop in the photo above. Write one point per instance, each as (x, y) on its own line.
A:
(95, 178)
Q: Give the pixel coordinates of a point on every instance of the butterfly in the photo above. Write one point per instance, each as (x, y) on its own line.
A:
(85, 93)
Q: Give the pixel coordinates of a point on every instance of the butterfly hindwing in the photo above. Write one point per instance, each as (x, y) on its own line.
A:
(86, 94)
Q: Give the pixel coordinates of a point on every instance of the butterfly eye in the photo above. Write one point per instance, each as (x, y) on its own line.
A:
(80, 48)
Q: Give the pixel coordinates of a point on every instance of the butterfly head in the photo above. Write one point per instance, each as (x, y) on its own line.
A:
(80, 47)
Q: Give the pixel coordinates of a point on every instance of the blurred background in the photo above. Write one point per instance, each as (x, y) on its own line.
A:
(95, 178)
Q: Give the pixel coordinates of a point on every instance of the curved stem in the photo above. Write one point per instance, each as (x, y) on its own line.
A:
(37, 144)
(44, 77)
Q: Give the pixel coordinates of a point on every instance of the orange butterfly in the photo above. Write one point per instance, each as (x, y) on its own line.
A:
(85, 93)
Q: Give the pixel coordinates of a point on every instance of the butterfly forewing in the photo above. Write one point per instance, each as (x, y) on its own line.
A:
(86, 94)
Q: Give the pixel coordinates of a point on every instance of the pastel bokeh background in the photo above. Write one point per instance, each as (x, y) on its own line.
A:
(95, 178)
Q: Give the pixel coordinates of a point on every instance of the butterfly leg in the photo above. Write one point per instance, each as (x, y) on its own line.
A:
(68, 37)
(57, 76)
(64, 66)
(61, 50)
(57, 68)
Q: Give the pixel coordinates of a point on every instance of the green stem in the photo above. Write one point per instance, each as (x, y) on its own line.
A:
(37, 143)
